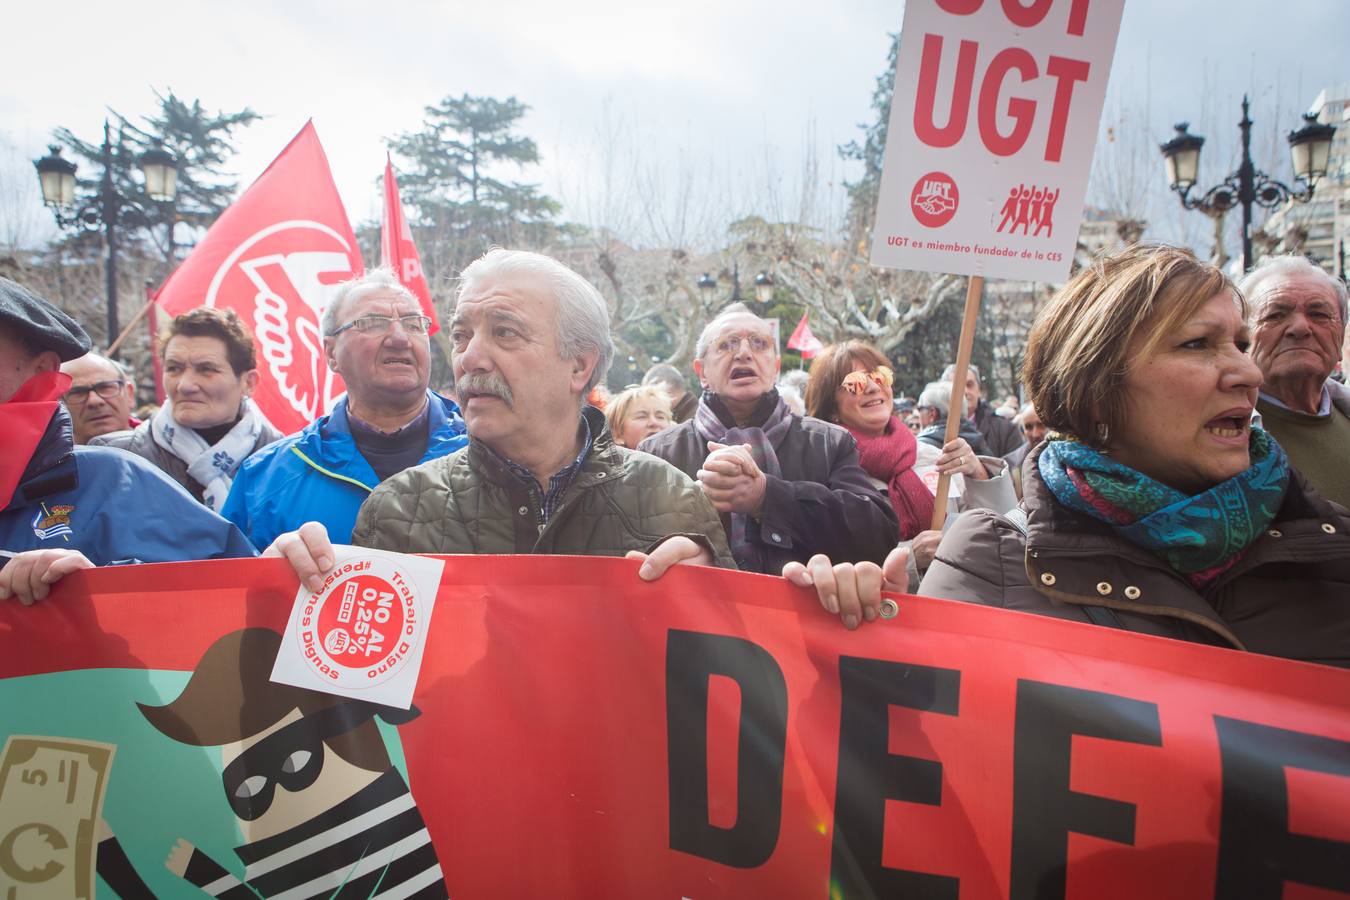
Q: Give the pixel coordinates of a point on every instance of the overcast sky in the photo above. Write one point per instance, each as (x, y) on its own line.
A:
(722, 100)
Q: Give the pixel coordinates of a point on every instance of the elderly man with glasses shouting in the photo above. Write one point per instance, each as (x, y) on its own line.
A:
(787, 486)
(376, 338)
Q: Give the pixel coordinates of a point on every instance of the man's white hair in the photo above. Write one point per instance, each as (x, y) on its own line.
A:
(583, 316)
(938, 394)
(948, 372)
(710, 330)
(372, 282)
(1273, 268)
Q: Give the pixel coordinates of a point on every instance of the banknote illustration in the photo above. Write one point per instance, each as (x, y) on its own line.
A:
(51, 798)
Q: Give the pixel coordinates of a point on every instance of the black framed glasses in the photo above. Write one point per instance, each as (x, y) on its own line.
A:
(293, 756)
(105, 389)
(414, 324)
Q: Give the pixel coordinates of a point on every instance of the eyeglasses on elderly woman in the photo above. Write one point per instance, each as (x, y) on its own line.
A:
(857, 382)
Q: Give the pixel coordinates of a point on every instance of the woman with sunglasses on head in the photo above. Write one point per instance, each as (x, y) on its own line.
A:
(208, 424)
(851, 385)
(1154, 505)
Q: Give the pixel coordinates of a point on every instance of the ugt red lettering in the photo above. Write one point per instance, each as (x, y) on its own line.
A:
(1020, 14)
(1022, 110)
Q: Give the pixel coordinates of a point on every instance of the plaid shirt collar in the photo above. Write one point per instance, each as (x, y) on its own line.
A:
(561, 480)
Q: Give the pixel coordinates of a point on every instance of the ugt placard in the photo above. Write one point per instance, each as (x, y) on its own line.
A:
(991, 134)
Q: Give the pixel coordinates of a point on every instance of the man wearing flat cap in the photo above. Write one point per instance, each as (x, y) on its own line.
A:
(65, 507)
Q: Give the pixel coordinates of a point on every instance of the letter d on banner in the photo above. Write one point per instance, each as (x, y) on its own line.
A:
(691, 659)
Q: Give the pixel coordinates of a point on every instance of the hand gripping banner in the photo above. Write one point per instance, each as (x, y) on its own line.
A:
(578, 733)
(275, 257)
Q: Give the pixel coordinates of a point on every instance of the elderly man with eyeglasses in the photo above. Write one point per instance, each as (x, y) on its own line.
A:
(787, 486)
(100, 397)
(376, 337)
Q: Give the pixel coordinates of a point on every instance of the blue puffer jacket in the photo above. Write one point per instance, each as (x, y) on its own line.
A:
(112, 506)
(318, 475)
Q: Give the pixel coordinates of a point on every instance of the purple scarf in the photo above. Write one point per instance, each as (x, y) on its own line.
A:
(710, 421)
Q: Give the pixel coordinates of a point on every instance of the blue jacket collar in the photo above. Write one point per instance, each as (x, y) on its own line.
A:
(328, 441)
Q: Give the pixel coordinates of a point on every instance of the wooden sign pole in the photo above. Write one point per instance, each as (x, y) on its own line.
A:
(974, 287)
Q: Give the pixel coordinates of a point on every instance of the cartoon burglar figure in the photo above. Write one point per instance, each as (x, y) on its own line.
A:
(322, 810)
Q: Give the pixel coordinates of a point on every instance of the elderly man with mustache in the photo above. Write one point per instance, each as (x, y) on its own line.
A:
(541, 474)
(376, 338)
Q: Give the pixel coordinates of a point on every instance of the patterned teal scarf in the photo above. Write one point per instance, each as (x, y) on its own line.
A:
(1200, 536)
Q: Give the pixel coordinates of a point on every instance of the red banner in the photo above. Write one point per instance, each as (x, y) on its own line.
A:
(580, 733)
(274, 257)
(397, 249)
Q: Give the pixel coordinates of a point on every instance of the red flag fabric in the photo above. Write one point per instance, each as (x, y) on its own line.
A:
(23, 420)
(803, 340)
(397, 250)
(275, 257)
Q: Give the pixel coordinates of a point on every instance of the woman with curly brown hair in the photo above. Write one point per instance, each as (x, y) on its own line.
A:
(208, 424)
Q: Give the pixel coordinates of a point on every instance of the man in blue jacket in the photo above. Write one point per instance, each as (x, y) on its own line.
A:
(65, 507)
(376, 337)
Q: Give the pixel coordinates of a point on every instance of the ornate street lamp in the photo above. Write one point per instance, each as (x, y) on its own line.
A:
(1309, 147)
(57, 177)
(160, 168)
(763, 287)
(706, 285)
(109, 209)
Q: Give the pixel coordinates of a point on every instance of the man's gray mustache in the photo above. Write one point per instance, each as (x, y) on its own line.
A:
(491, 384)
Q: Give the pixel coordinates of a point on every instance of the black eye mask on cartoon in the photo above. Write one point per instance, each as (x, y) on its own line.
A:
(293, 756)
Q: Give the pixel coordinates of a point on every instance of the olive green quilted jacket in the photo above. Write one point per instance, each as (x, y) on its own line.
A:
(468, 502)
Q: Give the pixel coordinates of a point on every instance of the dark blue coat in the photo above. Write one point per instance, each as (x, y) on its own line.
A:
(112, 506)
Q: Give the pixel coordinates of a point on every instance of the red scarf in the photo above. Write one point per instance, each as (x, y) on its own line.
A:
(890, 458)
(23, 420)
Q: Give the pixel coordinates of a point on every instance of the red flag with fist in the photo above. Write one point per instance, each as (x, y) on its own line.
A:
(275, 257)
(397, 250)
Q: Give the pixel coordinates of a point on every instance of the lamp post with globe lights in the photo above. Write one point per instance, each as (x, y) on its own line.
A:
(1309, 148)
(108, 210)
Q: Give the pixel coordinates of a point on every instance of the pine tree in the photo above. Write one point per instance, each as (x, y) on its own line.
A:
(452, 180)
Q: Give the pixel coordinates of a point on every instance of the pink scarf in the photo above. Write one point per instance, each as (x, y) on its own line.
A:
(890, 458)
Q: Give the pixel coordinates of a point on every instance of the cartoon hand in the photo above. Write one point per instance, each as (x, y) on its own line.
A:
(177, 862)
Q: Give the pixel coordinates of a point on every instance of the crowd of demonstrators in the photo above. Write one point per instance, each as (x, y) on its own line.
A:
(1000, 435)
(669, 379)
(208, 424)
(1154, 505)
(1298, 316)
(1152, 499)
(376, 337)
(787, 486)
(637, 413)
(63, 506)
(530, 339)
(100, 398)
